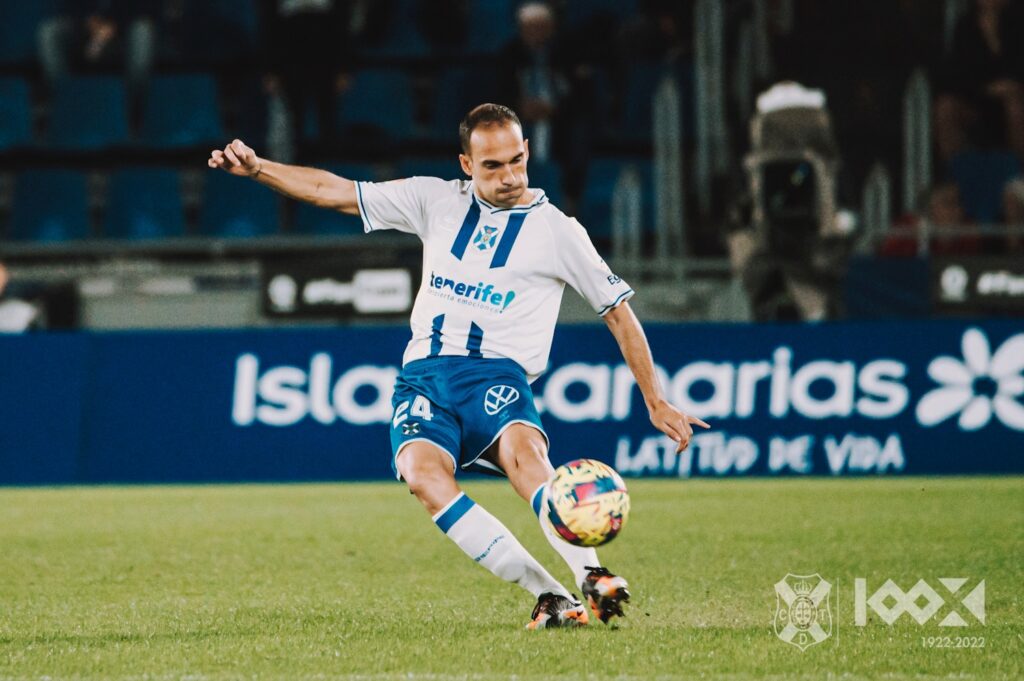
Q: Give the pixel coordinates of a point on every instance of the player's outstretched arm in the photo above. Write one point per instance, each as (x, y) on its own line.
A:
(631, 339)
(311, 185)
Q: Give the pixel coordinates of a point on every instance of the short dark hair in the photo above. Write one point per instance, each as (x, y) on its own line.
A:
(485, 115)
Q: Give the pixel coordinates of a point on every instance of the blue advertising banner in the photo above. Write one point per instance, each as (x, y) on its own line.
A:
(929, 397)
(42, 385)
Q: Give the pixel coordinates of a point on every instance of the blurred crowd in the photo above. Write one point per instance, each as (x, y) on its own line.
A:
(569, 67)
(863, 55)
(328, 81)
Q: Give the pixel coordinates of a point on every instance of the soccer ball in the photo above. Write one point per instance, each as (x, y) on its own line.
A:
(587, 503)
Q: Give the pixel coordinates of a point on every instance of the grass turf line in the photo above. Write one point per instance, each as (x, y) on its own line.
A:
(352, 581)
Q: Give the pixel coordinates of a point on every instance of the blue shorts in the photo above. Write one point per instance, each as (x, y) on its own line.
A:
(462, 405)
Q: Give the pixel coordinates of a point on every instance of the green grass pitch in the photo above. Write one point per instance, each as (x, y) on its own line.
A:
(352, 581)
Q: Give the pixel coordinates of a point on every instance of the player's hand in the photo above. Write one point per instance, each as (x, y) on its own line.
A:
(674, 423)
(237, 159)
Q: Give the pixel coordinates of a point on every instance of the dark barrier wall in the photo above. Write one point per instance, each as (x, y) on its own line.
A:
(858, 398)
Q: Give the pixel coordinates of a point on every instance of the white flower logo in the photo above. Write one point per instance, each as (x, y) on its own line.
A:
(979, 385)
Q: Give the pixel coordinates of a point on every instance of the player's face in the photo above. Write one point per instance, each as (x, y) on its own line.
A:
(497, 163)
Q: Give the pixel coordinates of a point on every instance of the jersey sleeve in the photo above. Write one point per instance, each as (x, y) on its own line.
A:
(579, 264)
(398, 204)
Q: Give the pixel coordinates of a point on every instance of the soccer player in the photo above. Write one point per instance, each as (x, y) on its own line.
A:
(496, 258)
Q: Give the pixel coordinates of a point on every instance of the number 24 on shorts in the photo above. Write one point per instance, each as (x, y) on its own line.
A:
(420, 409)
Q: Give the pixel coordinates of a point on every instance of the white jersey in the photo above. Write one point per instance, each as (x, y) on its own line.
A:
(492, 277)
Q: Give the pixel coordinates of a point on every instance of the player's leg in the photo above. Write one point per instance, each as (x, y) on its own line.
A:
(522, 452)
(430, 474)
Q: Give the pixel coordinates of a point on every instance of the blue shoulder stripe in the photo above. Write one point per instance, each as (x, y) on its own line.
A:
(508, 239)
(466, 231)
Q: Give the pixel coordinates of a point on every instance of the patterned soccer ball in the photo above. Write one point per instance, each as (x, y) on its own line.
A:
(587, 503)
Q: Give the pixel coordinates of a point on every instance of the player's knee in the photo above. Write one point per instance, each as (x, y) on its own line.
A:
(421, 472)
(524, 446)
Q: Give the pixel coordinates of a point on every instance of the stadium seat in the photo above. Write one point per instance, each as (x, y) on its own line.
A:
(19, 24)
(181, 111)
(580, 12)
(50, 206)
(446, 168)
(237, 207)
(402, 37)
(238, 15)
(595, 210)
(492, 23)
(144, 203)
(247, 108)
(15, 113)
(311, 220)
(623, 99)
(379, 100)
(547, 175)
(195, 36)
(642, 80)
(319, 221)
(456, 91)
(981, 176)
(89, 112)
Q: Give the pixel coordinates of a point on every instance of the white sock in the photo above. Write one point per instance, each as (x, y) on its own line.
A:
(487, 541)
(579, 558)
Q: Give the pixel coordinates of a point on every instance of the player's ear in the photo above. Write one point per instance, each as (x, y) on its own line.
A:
(467, 164)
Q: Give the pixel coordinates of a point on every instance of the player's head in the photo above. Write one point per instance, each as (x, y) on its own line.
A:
(536, 24)
(494, 153)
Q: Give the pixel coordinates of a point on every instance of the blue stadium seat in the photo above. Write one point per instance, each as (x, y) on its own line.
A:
(642, 80)
(252, 107)
(981, 176)
(402, 38)
(19, 24)
(380, 99)
(323, 222)
(237, 207)
(238, 15)
(547, 175)
(144, 203)
(624, 100)
(195, 36)
(89, 112)
(50, 205)
(579, 12)
(319, 221)
(456, 91)
(446, 168)
(595, 210)
(492, 23)
(15, 113)
(181, 111)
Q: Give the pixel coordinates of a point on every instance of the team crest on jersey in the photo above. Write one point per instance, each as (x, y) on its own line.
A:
(485, 237)
(498, 397)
